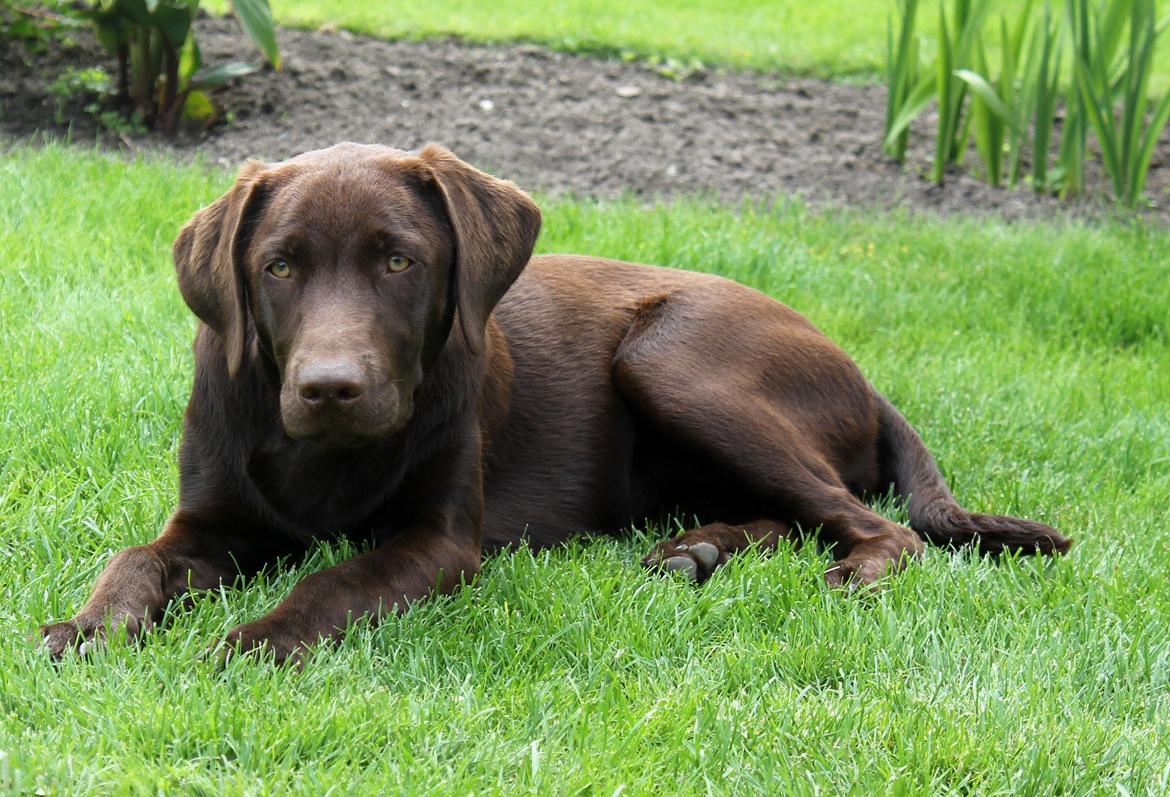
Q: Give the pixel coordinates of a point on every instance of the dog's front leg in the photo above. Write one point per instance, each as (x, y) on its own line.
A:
(139, 582)
(435, 549)
(415, 563)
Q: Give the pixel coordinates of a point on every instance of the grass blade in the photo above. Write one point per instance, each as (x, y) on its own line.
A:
(1096, 106)
(1149, 141)
(913, 105)
(944, 90)
(901, 70)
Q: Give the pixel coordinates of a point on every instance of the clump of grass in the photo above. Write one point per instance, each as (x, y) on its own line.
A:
(570, 671)
(958, 40)
(1113, 89)
(1108, 92)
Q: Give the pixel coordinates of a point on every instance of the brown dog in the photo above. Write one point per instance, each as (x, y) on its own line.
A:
(380, 358)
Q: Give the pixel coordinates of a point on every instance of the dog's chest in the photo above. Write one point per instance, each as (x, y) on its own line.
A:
(316, 494)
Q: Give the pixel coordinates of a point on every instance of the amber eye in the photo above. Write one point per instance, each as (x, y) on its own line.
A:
(279, 268)
(397, 263)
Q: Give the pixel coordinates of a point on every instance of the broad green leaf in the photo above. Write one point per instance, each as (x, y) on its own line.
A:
(174, 22)
(199, 110)
(256, 20)
(111, 29)
(190, 61)
(134, 10)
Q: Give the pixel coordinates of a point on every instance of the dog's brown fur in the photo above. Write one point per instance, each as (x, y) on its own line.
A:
(482, 397)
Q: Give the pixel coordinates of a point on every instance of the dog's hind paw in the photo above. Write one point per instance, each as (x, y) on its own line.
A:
(695, 561)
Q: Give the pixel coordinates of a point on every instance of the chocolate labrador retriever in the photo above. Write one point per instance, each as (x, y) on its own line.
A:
(380, 356)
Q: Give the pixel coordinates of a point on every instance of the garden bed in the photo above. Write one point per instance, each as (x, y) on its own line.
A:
(551, 121)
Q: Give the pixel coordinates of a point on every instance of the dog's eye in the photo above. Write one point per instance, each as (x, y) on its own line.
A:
(398, 263)
(279, 268)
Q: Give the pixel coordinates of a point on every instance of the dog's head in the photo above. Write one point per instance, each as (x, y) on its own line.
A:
(350, 264)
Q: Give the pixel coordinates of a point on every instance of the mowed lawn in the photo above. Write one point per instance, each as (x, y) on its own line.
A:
(1033, 358)
(828, 38)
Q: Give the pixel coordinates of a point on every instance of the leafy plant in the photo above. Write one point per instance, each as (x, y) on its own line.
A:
(999, 108)
(36, 27)
(1043, 83)
(1127, 139)
(91, 84)
(957, 43)
(1108, 92)
(955, 55)
(1021, 98)
(160, 66)
(73, 83)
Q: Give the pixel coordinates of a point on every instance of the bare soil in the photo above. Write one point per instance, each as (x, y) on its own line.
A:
(550, 121)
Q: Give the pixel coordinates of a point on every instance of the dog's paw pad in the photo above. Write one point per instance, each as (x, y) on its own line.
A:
(705, 554)
(696, 560)
(682, 564)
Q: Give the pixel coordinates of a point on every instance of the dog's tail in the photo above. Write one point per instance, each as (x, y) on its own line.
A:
(933, 511)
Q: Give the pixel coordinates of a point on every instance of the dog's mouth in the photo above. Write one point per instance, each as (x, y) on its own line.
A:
(334, 440)
(341, 436)
(342, 430)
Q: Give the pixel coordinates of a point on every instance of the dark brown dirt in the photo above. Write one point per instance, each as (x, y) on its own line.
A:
(550, 121)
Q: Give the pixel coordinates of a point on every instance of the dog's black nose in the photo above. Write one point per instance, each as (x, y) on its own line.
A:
(329, 384)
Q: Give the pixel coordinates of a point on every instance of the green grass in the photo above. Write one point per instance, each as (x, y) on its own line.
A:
(828, 38)
(1032, 357)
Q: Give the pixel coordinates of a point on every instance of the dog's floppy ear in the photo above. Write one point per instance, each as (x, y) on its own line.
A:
(495, 226)
(207, 254)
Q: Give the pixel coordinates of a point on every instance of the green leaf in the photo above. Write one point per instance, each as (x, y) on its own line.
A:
(256, 20)
(944, 83)
(986, 93)
(134, 10)
(1098, 108)
(915, 104)
(210, 77)
(1047, 83)
(198, 110)
(174, 22)
(111, 29)
(190, 61)
(902, 76)
(1150, 140)
(1016, 42)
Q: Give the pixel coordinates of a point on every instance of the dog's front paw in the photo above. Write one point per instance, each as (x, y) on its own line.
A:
(83, 632)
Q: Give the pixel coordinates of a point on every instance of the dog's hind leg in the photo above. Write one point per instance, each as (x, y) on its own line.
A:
(773, 407)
